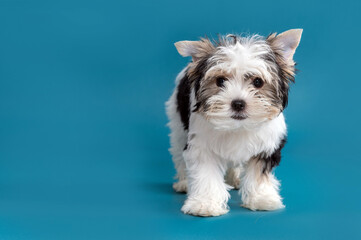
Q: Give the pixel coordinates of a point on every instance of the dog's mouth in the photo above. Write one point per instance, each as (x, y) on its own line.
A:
(239, 117)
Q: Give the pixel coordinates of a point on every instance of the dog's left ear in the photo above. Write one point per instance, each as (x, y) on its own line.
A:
(286, 43)
(195, 49)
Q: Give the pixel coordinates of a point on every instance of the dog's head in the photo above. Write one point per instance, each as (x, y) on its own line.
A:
(241, 81)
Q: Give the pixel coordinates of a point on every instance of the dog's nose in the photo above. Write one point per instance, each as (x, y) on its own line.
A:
(238, 105)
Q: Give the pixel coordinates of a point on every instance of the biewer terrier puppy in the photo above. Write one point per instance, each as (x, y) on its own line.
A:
(226, 120)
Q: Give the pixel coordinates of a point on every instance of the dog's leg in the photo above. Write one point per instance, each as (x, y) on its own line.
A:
(207, 191)
(260, 188)
(178, 141)
(181, 184)
(233, 176)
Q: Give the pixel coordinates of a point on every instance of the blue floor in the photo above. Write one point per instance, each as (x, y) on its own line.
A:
(83, 137)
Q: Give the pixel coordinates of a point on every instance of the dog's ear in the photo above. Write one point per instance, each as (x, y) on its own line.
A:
(286, 43)
(195, 49)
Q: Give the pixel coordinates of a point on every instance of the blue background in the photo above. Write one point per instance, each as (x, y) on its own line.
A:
(83, 137)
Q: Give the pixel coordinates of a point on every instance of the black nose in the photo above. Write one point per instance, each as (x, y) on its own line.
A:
(238, 105)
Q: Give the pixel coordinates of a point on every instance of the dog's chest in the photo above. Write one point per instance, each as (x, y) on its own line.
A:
(240, 146)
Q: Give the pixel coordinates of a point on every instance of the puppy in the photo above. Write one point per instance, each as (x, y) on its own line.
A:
(226, 120)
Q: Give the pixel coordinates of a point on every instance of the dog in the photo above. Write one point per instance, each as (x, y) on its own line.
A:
(226, 120)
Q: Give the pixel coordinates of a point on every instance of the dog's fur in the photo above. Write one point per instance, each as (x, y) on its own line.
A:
(217, 147)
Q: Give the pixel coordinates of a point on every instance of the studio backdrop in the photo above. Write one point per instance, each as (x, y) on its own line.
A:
(83, 135)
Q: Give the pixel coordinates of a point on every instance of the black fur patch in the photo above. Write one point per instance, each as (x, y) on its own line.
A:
(184, 90)
(183, 100)
(200, 70)
(199, 73)
(275, 159)
(284, 78)
(284, 91)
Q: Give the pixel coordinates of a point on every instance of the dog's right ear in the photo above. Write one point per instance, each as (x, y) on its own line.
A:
(195, 49)
(286, 43)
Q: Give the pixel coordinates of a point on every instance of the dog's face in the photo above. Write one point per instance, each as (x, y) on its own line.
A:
(241, 81)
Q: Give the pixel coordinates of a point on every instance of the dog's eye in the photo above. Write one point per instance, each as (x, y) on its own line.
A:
(220, 81)
(258, 82)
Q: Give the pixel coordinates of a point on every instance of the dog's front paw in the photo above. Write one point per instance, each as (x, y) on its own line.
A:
(204, 208)
(180, 186)
(264, 202)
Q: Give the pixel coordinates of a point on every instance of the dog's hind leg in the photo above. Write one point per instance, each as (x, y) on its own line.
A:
(178, 142)
(233, 176)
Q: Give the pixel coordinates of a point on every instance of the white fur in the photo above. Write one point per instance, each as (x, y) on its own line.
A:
(209, 154)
